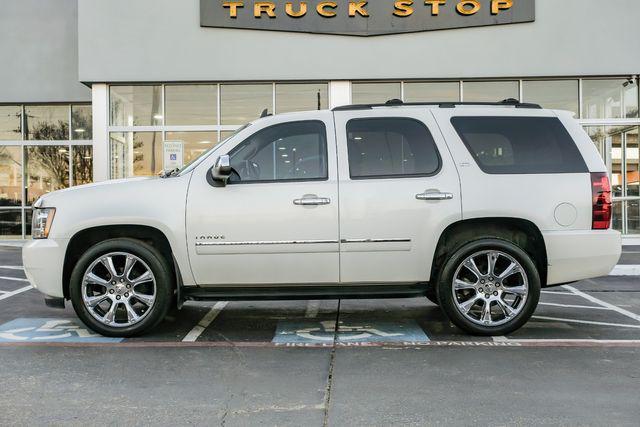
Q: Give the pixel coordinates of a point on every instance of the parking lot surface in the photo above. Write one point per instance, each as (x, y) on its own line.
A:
(331, 362)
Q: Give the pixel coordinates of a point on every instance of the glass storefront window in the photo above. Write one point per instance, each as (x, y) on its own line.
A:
(82, 161)
(10, 224)
(553, 94)
(609, 99)
(374, 93)
(432, 92)
(191, 104)
(135, 105)
(47, 169)
(135, 154)
(194, 143)
(301, 97)
(10, 175)
(81, 122)
(240, 104)
(10, 122)
(490, 91)
(46, 122)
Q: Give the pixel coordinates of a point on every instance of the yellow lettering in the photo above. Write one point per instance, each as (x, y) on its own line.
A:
(435, 6)
(463, 7)
(233, 7)
(267, 7)
(288, 8)
(321, 8)
(403, 8)
(357, 7)
(498, 5)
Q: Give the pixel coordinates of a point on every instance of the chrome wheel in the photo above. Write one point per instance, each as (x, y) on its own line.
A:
(118, 289)
(490, 288)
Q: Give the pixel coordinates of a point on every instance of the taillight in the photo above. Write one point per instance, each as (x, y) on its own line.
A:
(601, 196)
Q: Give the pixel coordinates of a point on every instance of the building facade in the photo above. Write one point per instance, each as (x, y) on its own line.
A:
(94, 90)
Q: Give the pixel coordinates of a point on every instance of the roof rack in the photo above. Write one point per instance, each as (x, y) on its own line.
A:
(397, 103)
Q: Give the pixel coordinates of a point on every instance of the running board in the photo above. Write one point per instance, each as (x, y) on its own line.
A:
(304, 292)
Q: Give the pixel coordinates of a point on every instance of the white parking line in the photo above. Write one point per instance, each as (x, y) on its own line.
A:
(586, 322)
(573, 306)
(16, 292)
(206, 321)
(625, 270)
(557, 293)
(312, 309)
(11, 267)
(593, 299)
(19, 279)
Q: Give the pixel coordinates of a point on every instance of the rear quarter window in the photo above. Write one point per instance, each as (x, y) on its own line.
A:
(520, 145)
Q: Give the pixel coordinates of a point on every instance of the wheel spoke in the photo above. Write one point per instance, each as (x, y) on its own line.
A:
(132, 316)
(466, 306)
(461, 285)
(492, 258)
(471, 266)
(92, 302)
(506, 308)
(143, 298)
(516, 290)
(486, 312)
(128, 266)
(144, 277)
(93, 278)
(511, 269)
(110, 316)
(108, 263)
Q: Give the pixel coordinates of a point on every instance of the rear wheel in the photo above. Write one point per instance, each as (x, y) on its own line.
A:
(121, 287)
(489, 287)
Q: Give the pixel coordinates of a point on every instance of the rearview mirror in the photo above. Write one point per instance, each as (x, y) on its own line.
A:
(221, 171)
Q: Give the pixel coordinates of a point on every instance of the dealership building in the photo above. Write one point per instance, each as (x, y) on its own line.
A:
(93, 90)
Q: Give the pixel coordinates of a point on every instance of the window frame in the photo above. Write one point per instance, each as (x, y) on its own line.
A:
(271, 181)
(402, 176)
(483, 167)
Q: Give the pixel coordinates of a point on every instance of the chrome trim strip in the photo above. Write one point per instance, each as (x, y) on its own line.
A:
(375, 240)
(267, 242)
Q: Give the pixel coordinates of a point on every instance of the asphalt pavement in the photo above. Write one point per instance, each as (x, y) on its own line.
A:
(348, 362)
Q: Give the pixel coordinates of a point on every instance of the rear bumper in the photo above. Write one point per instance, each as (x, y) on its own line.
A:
(43, 261)
(577, 255)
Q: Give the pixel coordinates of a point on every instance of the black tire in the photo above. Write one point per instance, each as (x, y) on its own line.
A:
(432, 294)
(155, 261)
(445, 285)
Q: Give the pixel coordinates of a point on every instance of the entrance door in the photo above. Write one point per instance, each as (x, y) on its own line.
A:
(276, 221)
(398, 191)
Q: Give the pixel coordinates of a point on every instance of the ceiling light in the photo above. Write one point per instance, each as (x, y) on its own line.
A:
(158, 116)
(282, 148)
(287, 161)
(62, 150)
(204, 142)
(285, 155)
(79, 130)
(357, 138)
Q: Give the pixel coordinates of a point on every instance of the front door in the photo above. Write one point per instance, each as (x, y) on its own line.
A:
(276, 221)
(399, 189)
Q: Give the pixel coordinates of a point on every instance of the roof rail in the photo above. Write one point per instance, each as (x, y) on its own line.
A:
(510, 102)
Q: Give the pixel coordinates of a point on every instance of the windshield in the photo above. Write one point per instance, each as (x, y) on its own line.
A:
(196, 161)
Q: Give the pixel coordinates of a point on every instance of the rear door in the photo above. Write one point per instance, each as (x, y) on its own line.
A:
(399, 189)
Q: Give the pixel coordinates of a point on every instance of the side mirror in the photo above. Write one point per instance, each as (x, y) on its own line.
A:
(221, 171)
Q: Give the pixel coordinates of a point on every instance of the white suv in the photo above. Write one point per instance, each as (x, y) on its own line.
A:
(476, 207)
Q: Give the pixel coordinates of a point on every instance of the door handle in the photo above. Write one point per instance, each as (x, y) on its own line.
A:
(434, 195)
(311, 200)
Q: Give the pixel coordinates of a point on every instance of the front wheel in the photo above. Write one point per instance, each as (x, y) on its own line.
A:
(489, 287)
(121, 287)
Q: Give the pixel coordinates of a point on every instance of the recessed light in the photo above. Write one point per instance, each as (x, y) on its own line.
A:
(79, 130)
(158, 116)
(282, 148)
(287, 161)
(204, 142)
(357, 138)
(285, 155)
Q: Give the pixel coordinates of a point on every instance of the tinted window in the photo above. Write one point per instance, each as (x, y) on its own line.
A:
(519, 145)
(390, 147)
(289, 151)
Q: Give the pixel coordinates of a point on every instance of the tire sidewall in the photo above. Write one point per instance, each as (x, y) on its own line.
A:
(154, 260)
(445, 282)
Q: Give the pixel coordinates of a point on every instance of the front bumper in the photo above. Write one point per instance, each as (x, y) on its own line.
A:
(578, 255)
(43, 261)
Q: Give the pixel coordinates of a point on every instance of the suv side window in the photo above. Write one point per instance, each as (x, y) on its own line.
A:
(390, 147)
(295, 151)
(520, 145)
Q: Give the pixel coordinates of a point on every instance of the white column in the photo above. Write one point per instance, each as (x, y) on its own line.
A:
(100, 106)
(339, 93)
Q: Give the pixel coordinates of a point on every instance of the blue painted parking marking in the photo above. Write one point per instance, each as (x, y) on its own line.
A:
(49, 330)
(305, 331)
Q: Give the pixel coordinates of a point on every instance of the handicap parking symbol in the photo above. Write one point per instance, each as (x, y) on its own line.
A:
(49, 330)
(348, 332)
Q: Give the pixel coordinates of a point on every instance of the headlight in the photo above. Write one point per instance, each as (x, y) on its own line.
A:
(41, 223)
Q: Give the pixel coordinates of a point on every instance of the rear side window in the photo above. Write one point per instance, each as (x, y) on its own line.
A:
(390, 147)
(520, 145)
